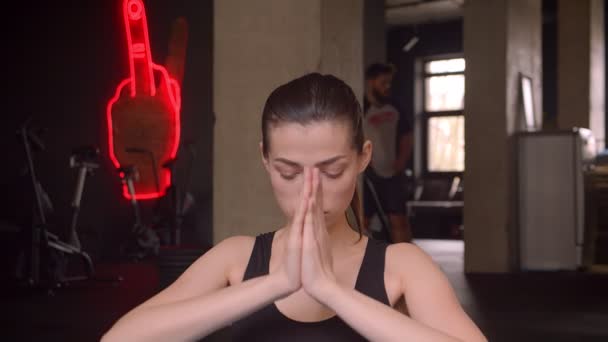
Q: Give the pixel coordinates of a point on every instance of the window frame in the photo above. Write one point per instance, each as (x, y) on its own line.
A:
(425, 116)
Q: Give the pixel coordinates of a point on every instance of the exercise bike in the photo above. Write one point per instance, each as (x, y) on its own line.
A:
(142, 241)
(170, 210)
(177, 202)
(44, 260)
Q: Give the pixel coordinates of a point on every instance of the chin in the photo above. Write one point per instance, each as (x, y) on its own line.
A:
(331, 219)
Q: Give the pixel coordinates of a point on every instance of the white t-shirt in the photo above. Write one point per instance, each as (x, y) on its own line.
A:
(381, 126)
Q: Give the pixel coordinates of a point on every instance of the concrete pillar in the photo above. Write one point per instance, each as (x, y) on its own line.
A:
(502, 38)
(374, 24)
(259, 45)
(580, 66)
(342, 42)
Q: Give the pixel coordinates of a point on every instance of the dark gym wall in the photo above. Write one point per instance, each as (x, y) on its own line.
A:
(434, 39)
(65, 59)
(442, 38)
(549, 56)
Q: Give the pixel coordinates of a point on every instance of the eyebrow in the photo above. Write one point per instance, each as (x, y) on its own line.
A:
(319, 164)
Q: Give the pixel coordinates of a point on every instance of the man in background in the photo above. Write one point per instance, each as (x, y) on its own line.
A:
(392, 140)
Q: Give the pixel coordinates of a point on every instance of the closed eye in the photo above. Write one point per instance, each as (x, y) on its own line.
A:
(288, 172)
(291, 176)
(334, 175)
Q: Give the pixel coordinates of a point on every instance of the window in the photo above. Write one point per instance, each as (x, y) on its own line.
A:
(443, 115)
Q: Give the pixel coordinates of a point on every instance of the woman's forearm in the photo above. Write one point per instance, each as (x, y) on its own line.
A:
(193, 318)
(376, 321)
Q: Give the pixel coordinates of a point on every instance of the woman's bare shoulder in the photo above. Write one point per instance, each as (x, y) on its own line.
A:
(235, 251)
(407, 257)
(236, 243)
(215, 269)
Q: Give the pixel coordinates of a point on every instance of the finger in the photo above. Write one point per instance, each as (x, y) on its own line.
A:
(318, 206)
(173, 74)
(312, 231)
(315, 180)
(138, 44)
(308, 226)
(177, 49)
(299, 215)
(319, 231)
(298, 219)
(307, 187)
(314, 222)
(309, 221)
(319, 193)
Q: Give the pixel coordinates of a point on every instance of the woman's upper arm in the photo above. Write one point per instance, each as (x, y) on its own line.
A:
(428, 294)
(209, 273)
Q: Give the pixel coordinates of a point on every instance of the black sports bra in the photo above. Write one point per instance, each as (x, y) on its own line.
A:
(269, 324)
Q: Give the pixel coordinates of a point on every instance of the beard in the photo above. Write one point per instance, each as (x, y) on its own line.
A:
(380, 97)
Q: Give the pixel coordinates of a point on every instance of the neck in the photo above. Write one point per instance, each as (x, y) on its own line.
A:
(340, 233)
(369, 95)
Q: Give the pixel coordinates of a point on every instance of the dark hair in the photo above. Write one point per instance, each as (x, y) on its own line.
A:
(377, 69)
(313, 98)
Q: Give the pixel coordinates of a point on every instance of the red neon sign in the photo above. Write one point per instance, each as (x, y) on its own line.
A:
(141, 116)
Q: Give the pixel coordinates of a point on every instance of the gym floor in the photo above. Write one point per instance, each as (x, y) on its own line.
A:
(515, 307)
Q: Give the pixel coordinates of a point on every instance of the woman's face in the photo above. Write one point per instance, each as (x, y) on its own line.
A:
(326, 145)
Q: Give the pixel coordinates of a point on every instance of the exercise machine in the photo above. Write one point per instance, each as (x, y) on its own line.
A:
(46, 255)
(142, 240)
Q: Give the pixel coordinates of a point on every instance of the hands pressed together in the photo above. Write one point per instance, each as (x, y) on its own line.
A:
(307, 259)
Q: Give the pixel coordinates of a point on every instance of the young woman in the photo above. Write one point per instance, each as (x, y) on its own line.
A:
(315, 279)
